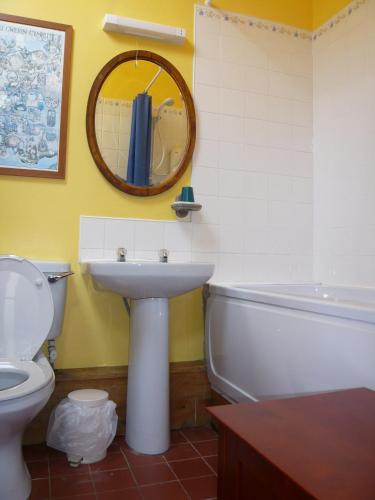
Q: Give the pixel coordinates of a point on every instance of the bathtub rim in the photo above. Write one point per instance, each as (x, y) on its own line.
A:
(345, 310)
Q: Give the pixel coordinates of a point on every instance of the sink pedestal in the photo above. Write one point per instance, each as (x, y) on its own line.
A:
(147, 411)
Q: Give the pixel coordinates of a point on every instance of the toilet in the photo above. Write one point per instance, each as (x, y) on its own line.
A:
(32, 300)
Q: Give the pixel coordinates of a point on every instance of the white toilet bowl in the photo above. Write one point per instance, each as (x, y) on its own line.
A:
(26, 378)
(19, 404)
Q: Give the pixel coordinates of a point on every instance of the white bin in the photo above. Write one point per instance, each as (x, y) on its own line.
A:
(83, 426)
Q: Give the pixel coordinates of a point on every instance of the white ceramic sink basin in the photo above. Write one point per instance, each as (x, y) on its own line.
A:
(146, 279)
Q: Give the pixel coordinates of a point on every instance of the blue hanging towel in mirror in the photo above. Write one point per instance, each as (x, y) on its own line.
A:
(140, 141)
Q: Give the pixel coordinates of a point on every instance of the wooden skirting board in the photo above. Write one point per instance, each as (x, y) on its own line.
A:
(190, 393)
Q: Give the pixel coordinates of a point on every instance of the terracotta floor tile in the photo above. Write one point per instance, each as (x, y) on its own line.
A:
(201, 488)
(177, 437)
(166, 491)
(138, 459)
(53, 453)
(180, 452)
(212, 461)
(39, 489)
(70, 485)
(112, 480)
(195, 434)
(38, 469)
(120, 438)
(90, 496)
(128, 494)
(151, 474)
(61, 467)
(116, 444)
(123, 444)
(114, 448)
(185, 469)
(112, 461)
(35, 452)
(207, 448)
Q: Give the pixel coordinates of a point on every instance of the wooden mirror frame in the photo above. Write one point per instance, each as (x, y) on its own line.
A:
(90, 122)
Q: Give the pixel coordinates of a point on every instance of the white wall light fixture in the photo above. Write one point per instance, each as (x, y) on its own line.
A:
(135, 27)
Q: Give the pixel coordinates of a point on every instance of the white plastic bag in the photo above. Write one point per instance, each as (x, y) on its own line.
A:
(81, 431)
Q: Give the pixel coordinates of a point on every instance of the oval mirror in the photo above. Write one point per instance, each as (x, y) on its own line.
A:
(140, 123)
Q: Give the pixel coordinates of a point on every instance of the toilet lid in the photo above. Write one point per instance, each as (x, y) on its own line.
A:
(26, 308)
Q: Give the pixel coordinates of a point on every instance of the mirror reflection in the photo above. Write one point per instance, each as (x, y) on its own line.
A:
(141, 123)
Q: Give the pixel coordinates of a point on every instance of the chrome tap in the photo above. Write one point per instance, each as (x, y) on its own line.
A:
(163, 255)
(121, 254)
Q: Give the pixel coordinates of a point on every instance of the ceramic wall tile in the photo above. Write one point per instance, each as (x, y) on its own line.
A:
(206, 98)
(232, 76)
(231, 102)
(231, 128)
(205, 180)
(177, 237)
(205, 238)
(344, 148)
(148, 235)
(230, 267)
(279, 187)
(256, 132)
(92, 233)
(207, 71)
(280, 110)
(206, 153)
(256, 106)
(231, 239)
(231, 156)
(210, 213)
(119, 233)
(231, 183)
(208, 126)
(208, 45)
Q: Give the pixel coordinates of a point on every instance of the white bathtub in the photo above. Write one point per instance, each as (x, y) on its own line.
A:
(274, 341)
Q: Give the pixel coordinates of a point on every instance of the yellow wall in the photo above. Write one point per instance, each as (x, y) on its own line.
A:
(323, 10)
(128, 80)
(39, 218)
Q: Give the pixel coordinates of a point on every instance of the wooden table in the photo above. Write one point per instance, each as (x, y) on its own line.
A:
(320, 446)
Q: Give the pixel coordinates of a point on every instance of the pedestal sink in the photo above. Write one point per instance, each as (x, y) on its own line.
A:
(149, 285)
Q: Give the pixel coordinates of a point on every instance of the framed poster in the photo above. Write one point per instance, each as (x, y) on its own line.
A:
(34, 87)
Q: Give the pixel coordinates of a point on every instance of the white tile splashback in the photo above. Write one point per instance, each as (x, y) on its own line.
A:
(100, 237)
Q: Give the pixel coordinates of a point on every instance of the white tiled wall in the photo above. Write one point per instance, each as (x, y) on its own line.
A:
(253, 160)
(344, 131)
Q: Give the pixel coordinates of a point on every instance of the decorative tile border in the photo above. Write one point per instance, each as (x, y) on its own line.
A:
(284, 29)
(338, 18)
(253, 22)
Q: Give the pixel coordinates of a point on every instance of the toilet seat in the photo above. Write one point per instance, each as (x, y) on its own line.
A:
(37, 377)
(26, 309)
